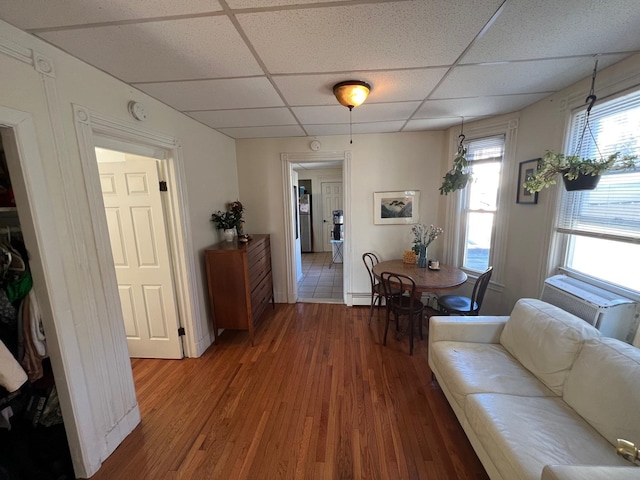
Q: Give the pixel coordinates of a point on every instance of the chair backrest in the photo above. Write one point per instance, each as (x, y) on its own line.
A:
(370, 260)
(480, 288)
(391, 282)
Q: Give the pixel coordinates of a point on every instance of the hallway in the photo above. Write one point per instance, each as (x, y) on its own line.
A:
(321, 280)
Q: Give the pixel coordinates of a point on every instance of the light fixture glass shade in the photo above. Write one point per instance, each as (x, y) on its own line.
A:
(351, 93)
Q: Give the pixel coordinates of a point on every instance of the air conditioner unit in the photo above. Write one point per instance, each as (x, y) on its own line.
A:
(613, 315)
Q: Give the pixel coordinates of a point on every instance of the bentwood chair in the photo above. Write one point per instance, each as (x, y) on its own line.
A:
(370, 260)
(403, 303)
(460, 305)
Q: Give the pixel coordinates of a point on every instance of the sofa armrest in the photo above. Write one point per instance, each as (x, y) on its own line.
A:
(482, 329)
(589, 472)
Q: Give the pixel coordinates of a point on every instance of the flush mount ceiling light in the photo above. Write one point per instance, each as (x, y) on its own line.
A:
(351, 93)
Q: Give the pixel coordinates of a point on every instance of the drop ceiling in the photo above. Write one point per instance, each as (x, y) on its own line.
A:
(265, 68)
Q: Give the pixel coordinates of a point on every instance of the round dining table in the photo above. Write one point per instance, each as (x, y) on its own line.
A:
(427, 280)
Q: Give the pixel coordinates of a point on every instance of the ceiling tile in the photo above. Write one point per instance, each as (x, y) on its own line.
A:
(474, 107)
(328, 129)
(274, 3)
(263, 132)
(28, 14)
(435, 123)
(518, 77)
(316, 165)
(378, 127)
(251, 117)
(238, 69)
(552, 28)
(159, 51)
(364, 37)
(215, 94)
(360, 128)
(391, 86)
(374, 112)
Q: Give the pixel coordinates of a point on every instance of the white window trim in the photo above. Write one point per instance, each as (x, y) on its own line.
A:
(558, 243)
(507, 126)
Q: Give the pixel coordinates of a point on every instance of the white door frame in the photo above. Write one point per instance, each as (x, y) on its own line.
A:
(288, 159)
(97, 130)
(39, 231)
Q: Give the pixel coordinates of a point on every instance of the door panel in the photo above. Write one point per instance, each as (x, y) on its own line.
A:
(331, 200)
(137, 231)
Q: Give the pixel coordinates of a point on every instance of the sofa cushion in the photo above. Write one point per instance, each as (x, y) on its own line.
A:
(523, 434)
(483, 367)
(582, 472)
(604, 388)
(545, 339)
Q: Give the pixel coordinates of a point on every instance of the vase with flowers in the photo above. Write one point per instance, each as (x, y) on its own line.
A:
(422, 237)
(230, 221)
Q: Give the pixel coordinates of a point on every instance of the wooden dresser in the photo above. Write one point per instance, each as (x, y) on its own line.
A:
(240, 282)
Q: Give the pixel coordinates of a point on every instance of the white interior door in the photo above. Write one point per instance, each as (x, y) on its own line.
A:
(331, 200)
(137, 231)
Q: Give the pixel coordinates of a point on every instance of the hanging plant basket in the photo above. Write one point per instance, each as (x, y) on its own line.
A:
(458, 177)
(578, 173)
(581, 182)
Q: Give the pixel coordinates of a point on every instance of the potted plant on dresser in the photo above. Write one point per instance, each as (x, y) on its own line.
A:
(230, 221)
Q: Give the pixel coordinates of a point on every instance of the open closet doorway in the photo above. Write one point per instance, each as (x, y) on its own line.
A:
(132, 194)
(34, 441)
(316, 255)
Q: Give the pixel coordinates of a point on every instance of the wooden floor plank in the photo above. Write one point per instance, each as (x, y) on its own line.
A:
(317, 397)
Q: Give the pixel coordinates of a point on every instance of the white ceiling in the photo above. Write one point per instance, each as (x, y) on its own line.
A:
(265, 68)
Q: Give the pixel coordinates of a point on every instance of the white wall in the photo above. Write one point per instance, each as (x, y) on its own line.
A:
(531, 256)
(92, 367)
(417, 161)
(380, 162)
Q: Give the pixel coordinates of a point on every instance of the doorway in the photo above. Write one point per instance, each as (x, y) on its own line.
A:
(331, 201)
(135, 215)
(292, 166)
(95, 130)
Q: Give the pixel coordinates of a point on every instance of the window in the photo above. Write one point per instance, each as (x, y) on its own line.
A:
(602, 226)
(480, 202)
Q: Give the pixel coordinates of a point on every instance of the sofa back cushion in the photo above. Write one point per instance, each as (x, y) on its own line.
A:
(603, 387)
(545, 339)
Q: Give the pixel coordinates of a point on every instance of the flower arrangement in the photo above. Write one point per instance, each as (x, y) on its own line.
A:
(232, 218)
(423, 235)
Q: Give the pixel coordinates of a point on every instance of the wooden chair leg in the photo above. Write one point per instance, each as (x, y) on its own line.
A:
(373, 301)
(420, 319)
(410, 334)
(386, 328)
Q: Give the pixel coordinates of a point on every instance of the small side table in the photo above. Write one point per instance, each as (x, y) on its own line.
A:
(336, 246)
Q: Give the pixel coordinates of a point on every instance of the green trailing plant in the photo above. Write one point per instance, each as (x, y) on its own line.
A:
(571, 166)
(458, 177)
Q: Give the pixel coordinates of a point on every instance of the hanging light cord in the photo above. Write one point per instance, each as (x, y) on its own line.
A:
(350, 125)
(591, 100)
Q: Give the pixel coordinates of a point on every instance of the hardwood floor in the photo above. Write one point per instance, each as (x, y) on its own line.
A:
(317, 397)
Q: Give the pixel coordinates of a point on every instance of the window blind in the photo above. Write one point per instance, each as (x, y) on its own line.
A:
(489, 149)
(612, 210)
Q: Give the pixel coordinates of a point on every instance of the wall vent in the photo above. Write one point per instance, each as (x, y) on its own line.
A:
(613, 315)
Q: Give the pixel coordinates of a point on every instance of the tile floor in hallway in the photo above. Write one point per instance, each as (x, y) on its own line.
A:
(319, 282)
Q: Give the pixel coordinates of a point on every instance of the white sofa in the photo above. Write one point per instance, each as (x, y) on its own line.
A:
(539, 390)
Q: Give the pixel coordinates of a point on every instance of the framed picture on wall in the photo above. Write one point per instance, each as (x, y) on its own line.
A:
(396, 208)
(527, 169)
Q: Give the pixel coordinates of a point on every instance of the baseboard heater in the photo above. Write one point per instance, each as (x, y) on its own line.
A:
(615, 316)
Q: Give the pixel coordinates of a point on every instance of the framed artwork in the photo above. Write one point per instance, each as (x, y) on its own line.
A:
(527, 168)
(394, 208)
